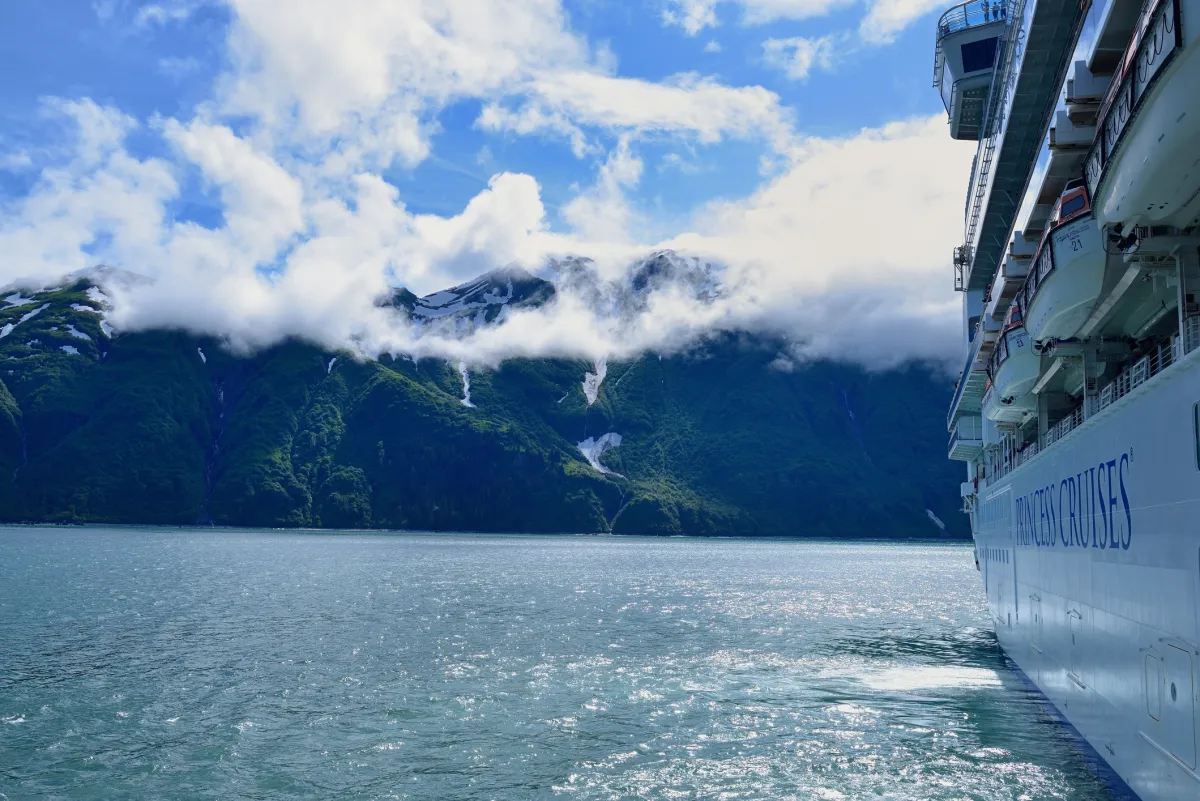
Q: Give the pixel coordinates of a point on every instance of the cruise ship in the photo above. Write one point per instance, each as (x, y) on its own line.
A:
(1077, 411)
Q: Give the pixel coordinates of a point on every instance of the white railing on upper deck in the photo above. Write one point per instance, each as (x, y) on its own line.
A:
(1012, 455)
(1191, 333)
(1141, 371)
(1063, 427)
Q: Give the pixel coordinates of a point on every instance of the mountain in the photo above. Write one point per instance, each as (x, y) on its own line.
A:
(162, 427)
(484, 301)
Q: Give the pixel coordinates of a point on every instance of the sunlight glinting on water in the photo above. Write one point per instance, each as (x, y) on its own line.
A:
(280, 665)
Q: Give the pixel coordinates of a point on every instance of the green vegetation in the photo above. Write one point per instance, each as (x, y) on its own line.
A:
(162, 427)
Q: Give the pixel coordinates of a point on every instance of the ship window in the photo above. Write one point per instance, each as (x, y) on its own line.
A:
(1196, 431)
(980, 55)
(1072, 206)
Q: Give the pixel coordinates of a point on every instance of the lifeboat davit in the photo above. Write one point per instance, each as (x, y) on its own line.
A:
(1008, 408)
(1067, 273)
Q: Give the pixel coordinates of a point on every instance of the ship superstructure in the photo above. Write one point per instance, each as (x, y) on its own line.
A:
(1077, 410)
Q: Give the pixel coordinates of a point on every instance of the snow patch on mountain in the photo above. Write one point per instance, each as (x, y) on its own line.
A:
(937, 521)
(6, 330)
(329, 367)
(106, 328)
(468, 307)
(79, 307)
(466, 378)
(75, 332)
(15, 299)
(69, 349)
(95, 295)
(203, 358)
(594, 449)
(30, 315)
(592, 381)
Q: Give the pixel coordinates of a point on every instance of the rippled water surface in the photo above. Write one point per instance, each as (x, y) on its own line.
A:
(167, 664)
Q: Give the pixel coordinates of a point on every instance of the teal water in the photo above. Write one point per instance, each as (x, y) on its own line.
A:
(168, 664)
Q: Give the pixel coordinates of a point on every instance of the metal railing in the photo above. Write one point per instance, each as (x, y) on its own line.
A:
(963, 16)
(1191, 333)
(1063, 427)
(1158, 37)
(1141, 371)
(966, 429)
(1010, 53)
(1165, 354)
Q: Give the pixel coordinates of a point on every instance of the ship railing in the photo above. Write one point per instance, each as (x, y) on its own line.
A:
(1063, 427)
(1028, 452)
(972, 356)
(1141, 371)
(1009, 56)
(963, 16)
(1156, 40)
(1191, 333)
(1166, 353)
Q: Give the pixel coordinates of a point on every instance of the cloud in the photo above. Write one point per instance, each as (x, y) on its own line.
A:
(179, 67)
(696, 15)
(603, 213)
(162, 14)
(843, 251)
(685, 105)
(713, 46)
(691, 15)
(883, 21)
(797, 57)
(887, 18)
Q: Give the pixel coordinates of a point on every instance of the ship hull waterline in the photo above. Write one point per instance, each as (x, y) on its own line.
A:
(1089, 560)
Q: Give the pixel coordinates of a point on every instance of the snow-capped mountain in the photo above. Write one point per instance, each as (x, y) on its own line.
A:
(475, 303)
(488, 298)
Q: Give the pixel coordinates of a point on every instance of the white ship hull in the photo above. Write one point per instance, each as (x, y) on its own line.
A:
(1090, 555)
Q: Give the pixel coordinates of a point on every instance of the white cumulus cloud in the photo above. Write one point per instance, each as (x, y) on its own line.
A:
(843, 250)
(796, 57)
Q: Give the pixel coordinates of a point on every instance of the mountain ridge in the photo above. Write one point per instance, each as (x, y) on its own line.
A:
(162, 427)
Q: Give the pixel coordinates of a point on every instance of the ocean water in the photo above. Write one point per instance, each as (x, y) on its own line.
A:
(183, 664)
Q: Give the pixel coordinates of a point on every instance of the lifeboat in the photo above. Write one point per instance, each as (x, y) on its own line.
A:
(1067, 273)
(1007, 408)
(1015, 366)
(1142, 167)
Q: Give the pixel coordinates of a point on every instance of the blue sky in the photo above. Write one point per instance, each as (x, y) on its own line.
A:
(223, 142)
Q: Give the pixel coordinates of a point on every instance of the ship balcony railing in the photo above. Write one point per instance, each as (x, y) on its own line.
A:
(966, 439)
(1164, 355)
(1142, 370)
(1191, 333)
(1063, 427)
(1156, 40)
(963, 17)
(974, 364)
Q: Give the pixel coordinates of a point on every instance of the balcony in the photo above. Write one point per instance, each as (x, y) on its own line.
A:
(968, 395)
(966, 438)
(964, 62)
(1012, 453)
